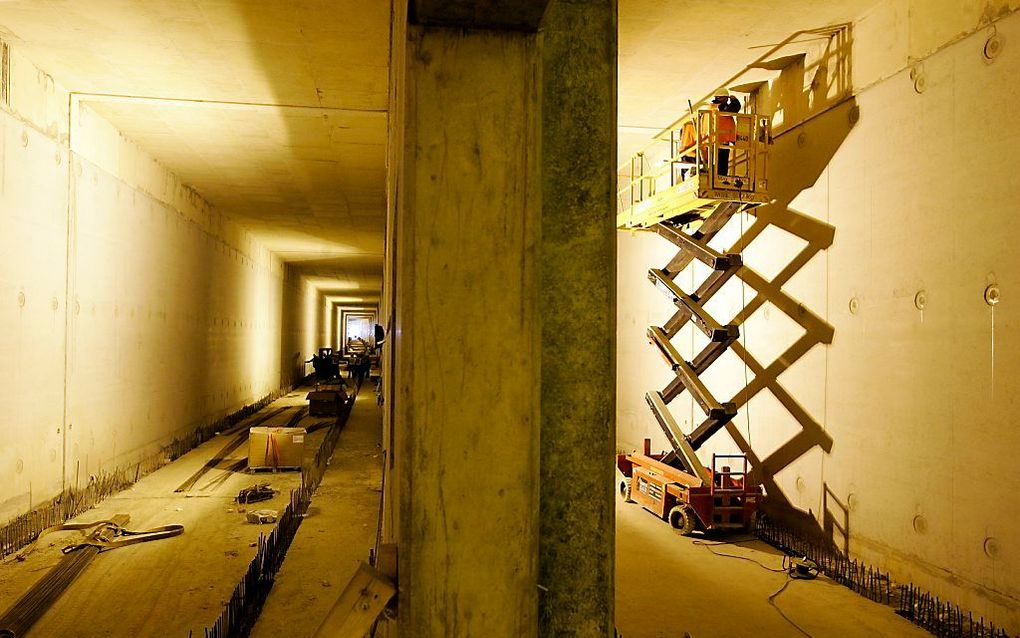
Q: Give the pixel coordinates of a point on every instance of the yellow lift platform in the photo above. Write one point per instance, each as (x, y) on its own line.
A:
(705, 159)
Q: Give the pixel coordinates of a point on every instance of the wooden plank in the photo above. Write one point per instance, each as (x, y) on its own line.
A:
(235, 443)
(359, 605)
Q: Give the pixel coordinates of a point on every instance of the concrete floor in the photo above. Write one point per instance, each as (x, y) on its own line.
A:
(166, 587)
(337, 532)
(669, 584)
(666, 584)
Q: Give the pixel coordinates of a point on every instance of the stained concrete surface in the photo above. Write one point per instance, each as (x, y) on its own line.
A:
(669, 584)
(337, 532)
(311, 80)
(467, 335)
(577, 308)
(165, 587)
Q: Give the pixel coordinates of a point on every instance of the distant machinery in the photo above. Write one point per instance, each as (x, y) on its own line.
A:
(326, 365)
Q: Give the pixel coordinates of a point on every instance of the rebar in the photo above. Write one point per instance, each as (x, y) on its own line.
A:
(922, 608)
(40, 597)
(20, 531)
(241, 612)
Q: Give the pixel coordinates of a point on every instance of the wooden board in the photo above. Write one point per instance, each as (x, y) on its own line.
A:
(359, 605)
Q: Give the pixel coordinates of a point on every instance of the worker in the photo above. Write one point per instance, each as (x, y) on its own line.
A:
(317, 365)
(360, 368)
(726, 132)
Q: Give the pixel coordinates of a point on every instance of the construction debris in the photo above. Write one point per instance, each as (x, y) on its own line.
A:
(262, 516)
(255, 494)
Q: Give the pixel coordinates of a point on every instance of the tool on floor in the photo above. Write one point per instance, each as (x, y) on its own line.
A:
(98, 536)
(803, 568)
(255, 494)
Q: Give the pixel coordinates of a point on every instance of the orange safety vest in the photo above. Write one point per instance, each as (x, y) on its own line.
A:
(687, 137)
(726, 133)
(727, 130)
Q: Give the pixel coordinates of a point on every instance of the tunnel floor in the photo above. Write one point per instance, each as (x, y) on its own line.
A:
(667, 584)
(337, 532)
(172, 586)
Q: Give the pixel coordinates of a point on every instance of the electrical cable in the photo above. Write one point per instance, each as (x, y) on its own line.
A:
(794, 568)
(709, 547)
(772, 601)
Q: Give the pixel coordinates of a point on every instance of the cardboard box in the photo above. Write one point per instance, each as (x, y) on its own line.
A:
(325, 402)
(275, 447)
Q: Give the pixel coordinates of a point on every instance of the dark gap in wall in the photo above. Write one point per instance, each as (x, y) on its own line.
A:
(5, 74)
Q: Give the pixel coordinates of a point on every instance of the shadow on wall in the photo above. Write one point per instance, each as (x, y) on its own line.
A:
(836, 520)
(793, 98)
(814, 113)
(792, 151)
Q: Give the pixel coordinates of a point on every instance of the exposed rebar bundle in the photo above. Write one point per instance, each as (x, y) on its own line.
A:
(38, 599)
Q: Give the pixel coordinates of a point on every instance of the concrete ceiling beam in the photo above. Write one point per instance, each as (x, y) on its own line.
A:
(501, 15)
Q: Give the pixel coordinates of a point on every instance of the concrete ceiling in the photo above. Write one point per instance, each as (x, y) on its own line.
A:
(672, 51)
(301, 163)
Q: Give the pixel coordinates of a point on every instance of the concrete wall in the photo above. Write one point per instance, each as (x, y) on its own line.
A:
(895, 432)
(302, 333)
(130, 310)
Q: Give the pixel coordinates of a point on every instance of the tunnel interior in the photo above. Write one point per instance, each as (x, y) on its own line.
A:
(478, 207)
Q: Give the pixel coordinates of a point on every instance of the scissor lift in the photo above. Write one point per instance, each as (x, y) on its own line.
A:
(687, 199)
(721, 499)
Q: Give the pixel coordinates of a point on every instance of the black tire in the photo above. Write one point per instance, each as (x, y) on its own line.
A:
(625, 490)
(682, 519)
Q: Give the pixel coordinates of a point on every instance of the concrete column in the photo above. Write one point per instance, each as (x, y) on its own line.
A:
(504, 270)
(467, 335)
(578, 314)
